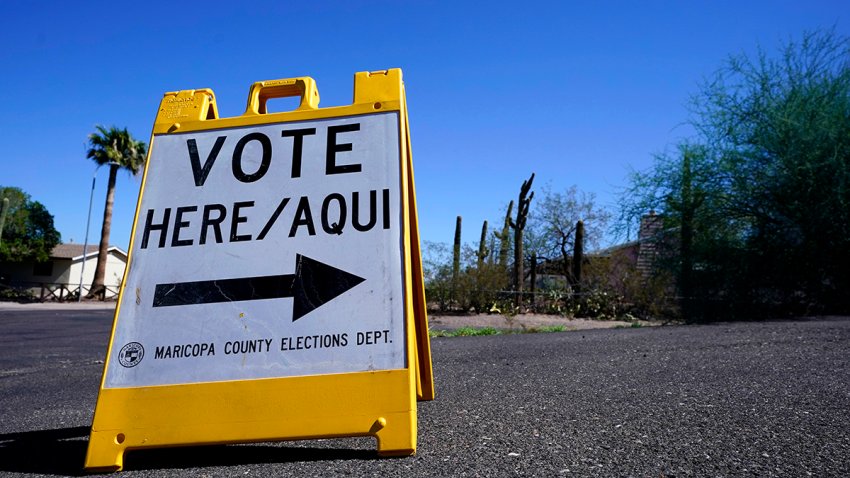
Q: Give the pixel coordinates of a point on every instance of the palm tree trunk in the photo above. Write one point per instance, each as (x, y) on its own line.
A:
(98, 288)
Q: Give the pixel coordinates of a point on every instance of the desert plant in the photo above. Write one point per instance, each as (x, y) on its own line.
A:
(518, 225)
(504, 237)
(757, 202)
(483, 252)
(578, 255)
(456, 254)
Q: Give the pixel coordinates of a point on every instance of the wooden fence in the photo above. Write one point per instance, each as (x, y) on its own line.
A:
(49, 292)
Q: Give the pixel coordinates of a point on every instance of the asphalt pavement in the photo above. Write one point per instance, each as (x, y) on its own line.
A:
(742, 399)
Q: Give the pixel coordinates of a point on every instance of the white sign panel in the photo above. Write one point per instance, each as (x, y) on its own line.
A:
(266, 251)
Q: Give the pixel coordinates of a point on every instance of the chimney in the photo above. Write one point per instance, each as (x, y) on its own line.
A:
(648, 236)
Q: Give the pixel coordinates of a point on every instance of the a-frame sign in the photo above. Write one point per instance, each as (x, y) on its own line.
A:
(274, 287)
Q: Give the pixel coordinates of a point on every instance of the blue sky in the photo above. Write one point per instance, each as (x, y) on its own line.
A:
(577, 92)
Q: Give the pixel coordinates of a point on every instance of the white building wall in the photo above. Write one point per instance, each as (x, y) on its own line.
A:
(114, 273)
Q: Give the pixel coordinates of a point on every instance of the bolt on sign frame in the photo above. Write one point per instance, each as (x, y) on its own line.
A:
(274, 289)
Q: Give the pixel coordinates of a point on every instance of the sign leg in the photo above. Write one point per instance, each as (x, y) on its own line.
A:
(397, 436)
(105, 453)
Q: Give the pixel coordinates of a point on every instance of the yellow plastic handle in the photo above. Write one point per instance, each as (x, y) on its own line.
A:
(262, 91)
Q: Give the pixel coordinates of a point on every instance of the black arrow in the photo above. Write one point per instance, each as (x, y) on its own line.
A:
(312, 285)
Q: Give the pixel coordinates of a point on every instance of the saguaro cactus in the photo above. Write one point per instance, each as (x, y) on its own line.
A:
(518, 226)
(483, 251)
(3, 210)
(578, 255)
(490, 260)
(691, 201)
(456, 255)
(504, 242)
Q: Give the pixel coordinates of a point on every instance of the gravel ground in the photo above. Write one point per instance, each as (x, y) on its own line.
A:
(769, 399)
(742, 399)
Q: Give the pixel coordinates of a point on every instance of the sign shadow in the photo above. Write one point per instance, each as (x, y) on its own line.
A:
(62, 451)
(209, 456)
(49, 452)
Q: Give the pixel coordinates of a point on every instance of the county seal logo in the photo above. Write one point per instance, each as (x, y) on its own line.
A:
(131, 354)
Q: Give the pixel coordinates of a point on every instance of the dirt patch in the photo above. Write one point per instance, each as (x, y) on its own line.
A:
(521, 322)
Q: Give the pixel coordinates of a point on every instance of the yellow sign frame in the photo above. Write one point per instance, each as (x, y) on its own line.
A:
(380, 403)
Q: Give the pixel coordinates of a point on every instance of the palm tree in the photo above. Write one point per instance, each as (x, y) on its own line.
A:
(117, 148)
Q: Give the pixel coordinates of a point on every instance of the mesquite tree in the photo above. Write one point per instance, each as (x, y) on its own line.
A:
(755, 206)
(555, 221)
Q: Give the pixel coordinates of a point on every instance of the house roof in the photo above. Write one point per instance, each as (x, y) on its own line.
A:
(75, 251)
(615, 248)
